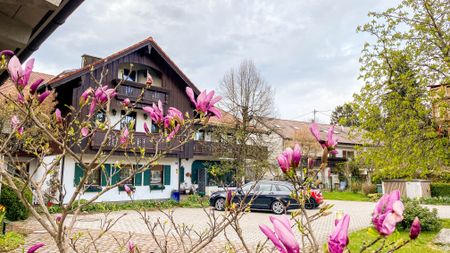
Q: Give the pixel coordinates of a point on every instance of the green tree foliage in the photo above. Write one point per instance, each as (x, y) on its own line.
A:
(411, 51)
(15, 209)
(344, 115)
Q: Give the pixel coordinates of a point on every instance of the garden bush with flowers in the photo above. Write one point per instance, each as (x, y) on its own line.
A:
(63, 130)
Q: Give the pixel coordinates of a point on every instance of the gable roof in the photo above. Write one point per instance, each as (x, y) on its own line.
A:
(287, 129)
(148, 42)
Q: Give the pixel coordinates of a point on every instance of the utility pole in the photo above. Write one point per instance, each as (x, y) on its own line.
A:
(314, 112)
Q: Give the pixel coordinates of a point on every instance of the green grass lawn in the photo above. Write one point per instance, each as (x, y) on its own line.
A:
(344, 196)
(422, 244)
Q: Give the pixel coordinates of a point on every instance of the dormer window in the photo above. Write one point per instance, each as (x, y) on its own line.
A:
(138, 73)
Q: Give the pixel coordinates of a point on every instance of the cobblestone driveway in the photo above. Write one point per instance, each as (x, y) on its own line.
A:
(132, 223)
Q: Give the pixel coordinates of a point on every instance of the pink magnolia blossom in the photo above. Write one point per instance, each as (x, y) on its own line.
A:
(155, 112)
(388, 212)
(86, 94)
(338, 240)
(173, 132)
(296, 156)
(100, 96)
(173, 116)
(84, 131)
(283, 163)
(126, 102)
(43, 96)
(290, 158)
(127, 190)
(35, 85)
(124, 136)
(58, 116)
(15, 124)
(415, 229)
(131, 247)
(282, 236)
(20, 98)
(6, 52)
(146, 129)
(18, 75)
(330, 143)
(205, 102)
(103, 94)
(229, 198)
(35, 247)
(58, 219)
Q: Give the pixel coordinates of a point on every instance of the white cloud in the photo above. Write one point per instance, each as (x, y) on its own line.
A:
(307, 50)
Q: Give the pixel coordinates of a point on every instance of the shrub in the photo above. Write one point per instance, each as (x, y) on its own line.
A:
(355, 186)
(440, 190)
(368, 188)
(428, 219)
(436, 201)
(374, 196)
(15, 209)
(10, 241)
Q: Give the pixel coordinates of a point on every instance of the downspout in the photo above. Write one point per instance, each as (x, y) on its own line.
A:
(62, 178)
(179, 171)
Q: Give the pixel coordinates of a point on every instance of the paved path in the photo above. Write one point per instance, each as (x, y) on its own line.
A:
(131, 222)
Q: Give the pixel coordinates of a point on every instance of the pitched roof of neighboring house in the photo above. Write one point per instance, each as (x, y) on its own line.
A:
(287, 129)
(148, 42)
(227, 119)
(7, 87)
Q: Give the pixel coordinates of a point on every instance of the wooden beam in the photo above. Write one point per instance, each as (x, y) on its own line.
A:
(42, 4)
(13, 32)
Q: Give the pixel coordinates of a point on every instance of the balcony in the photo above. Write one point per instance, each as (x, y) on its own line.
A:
(132, 90)
(140, 140)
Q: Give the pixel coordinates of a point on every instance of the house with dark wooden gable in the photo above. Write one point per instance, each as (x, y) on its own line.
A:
(130, 67)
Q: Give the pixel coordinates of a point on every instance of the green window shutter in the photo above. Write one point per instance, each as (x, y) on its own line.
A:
(147, 177)
(115, 172)
(106, 174)
(79, 172)
(181, 175)
(166, 175)
(138, 178)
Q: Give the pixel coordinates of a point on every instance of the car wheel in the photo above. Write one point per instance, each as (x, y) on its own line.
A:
(278, 207)
(311, 203)
(219, 205)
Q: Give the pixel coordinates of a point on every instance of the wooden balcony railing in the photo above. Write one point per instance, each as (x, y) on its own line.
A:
(132, 90)
(140, 140)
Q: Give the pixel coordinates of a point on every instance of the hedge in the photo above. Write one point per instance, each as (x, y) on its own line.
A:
(440, 189)
(15, 209)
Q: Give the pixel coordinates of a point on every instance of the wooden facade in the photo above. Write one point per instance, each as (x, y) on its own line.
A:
(171, 92)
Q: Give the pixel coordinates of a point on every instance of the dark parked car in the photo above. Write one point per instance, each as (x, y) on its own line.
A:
(266, 195)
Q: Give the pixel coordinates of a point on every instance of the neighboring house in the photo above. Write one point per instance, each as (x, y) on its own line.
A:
(8, 90)
(169, 85)
(286, 133)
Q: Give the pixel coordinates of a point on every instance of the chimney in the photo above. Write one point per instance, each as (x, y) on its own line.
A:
(88, 59)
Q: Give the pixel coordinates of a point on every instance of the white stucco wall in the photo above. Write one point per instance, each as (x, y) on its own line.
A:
(141, 193)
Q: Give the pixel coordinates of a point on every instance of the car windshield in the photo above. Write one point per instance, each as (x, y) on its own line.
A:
(246, 188)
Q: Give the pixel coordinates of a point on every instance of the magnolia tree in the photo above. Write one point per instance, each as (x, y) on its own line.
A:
(70, 134)
(388, 211)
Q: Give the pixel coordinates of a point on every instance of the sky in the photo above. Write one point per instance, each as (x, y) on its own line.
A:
(307, 50)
